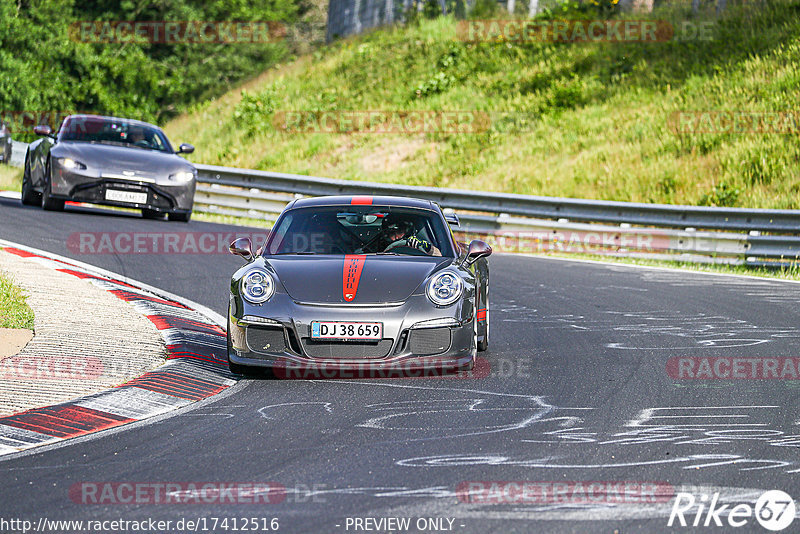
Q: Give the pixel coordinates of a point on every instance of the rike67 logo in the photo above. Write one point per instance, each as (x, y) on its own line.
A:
(774, 510)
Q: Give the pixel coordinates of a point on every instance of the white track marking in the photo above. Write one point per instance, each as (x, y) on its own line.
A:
(133, 403)
(14, 437)
(263, 411)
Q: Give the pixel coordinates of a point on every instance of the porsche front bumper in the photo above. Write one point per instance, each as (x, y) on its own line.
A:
(416, 337)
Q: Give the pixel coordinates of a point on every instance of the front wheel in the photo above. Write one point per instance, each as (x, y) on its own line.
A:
(29, 196)
(471, 364)
(234, 368)
(147, 213)
(483, 341)
(237, 369)
(48, 202)
(180, 217)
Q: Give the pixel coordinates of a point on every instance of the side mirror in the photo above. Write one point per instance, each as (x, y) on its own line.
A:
(43, 130)
(242, 247)
(477, 249)
(185, 148)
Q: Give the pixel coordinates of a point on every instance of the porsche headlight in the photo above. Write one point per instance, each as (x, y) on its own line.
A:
(445, 288)
(182, 176)
(257, 286)
(71, 164)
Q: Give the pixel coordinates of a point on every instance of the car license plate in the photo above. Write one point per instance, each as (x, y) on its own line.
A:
(126, 196)
(346, 330)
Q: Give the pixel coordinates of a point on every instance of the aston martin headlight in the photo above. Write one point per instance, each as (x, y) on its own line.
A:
(257, 286)
(71, 164)
(182, 176)
(445, 288)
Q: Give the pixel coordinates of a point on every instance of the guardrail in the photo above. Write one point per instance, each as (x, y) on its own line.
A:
(525, 205)
(525, 223)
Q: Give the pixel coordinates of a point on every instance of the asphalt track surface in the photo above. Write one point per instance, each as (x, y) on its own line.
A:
(578, 391)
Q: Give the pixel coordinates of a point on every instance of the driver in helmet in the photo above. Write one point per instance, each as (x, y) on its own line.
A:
(401, 234)
(136, 136)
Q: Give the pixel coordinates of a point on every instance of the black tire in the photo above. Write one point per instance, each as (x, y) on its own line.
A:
(471, 365)
(29, 196)
(147, 213)
(237, 369)
(483, 344)
(234, 368)
(180, 217)
(49, 203)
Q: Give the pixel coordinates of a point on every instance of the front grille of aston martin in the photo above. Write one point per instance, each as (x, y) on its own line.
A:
(95, 192)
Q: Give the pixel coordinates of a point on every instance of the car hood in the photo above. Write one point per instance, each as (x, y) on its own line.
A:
(118, 158)
(354, 279)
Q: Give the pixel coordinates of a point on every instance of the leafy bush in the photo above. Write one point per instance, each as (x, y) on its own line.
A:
(254, 112)
(44, 66)
(484, 9)
(721, 195)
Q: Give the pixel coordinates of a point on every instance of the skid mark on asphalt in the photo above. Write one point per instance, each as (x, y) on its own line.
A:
(559, 500)
(766, 290)
(490, 412)
(691, 331)
(327, 406)
(680, 426)
(532, 419)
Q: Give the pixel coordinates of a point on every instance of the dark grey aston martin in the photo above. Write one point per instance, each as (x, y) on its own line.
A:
(106, 160)
(359, 284)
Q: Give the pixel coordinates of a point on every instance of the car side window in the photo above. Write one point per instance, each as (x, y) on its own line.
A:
(277, 241)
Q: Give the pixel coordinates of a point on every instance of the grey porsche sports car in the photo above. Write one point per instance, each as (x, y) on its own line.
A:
(367, 283)
(106, 160)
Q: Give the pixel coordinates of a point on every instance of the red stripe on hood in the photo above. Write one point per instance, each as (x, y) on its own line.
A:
(361, 200)
(351, 274)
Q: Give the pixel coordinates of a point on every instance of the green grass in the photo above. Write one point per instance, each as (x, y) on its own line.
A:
(601, 125)
(10, 178)
(14, 313)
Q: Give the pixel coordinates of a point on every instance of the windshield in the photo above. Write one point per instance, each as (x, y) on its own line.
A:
(115, 132)
(360, 230)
